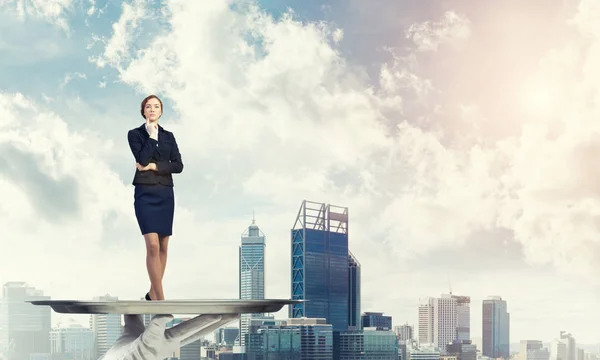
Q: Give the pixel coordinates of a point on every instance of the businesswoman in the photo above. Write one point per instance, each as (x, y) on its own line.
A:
(157, 158)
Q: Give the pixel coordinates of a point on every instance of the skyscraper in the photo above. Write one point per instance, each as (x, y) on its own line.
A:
(320, 264)
(570, 343)
(445, 319)
(376, 320)
(25, 328)
(298, 339)
(533, 350)
(252, 272)
(496, 328)
(463, 317)
(559, 350)
(426, 320)
(106, 327)
(354, 322)
(72, 341)
(404, 332)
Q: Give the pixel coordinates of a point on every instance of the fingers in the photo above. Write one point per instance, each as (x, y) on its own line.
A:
(156, 329)
(225, 319)
(190, 327)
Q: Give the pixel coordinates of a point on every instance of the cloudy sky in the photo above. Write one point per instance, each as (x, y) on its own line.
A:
(463, 138)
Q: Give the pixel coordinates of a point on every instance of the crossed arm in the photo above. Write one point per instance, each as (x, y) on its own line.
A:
(143, 149)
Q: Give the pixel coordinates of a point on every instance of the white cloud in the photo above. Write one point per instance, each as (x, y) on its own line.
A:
(55, 192)
(399, 75)
(71, 76)
(92, 9)
(116, 48)
(53, 11)
(293, 102)
(429, 35)
(588, 11)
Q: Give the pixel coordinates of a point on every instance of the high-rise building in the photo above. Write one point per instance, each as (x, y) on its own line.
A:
(25, 328)
(251, 273)
(496, 328)
(72, 341)
(463, 317)
(569, 341)
(354, 292)
(533, 350)
(404, 332)
(438, 320)
(426, 321)
(106, 327)
(301, 339)
(426, 352)
(366, 344)
(320, 264)
(559, 350)
(376, 320)
(462, 349)
(226, 336)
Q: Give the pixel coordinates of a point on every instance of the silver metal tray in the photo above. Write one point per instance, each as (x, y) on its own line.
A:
(166, 306)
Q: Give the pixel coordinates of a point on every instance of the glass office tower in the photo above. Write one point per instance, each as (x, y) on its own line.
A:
(251, 273)
(320, 264)
(293, 339)
(367, 344)
(354, 316)
(496, 328)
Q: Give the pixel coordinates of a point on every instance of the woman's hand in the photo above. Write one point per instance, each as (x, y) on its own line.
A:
(150, 166)
(152, 129)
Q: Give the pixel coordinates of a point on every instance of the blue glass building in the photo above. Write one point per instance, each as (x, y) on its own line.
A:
(320, 264)
(496, 328)
(377, 320)
(354, 322)
(366, 344)
(305, 339)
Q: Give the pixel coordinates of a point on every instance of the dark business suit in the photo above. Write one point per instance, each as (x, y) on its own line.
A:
(154, 198)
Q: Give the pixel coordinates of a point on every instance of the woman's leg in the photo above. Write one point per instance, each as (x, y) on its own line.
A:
(164, 249)
(162, 253)
(154, 266)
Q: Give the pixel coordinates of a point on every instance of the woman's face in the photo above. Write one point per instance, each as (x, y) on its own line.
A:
(152, 110)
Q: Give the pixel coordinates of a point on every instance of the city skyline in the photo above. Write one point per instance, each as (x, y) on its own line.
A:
(568, 347)
(461, 137)
(251, 232)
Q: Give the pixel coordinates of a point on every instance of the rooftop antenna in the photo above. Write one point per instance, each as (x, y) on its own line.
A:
(253, 218)
(449, 283)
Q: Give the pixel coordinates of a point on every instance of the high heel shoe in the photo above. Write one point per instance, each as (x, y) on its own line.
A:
(148, 297)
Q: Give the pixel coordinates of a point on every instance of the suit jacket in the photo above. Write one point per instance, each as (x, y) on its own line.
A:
(164, 152)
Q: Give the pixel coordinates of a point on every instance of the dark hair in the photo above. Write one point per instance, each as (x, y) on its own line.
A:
(146, 100)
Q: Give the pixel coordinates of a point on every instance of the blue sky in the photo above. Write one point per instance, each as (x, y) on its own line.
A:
(461, 137)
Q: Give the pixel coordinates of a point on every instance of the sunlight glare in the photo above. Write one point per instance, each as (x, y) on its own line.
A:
(539, 99)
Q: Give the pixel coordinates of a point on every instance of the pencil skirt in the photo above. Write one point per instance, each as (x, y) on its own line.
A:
(154, 208)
